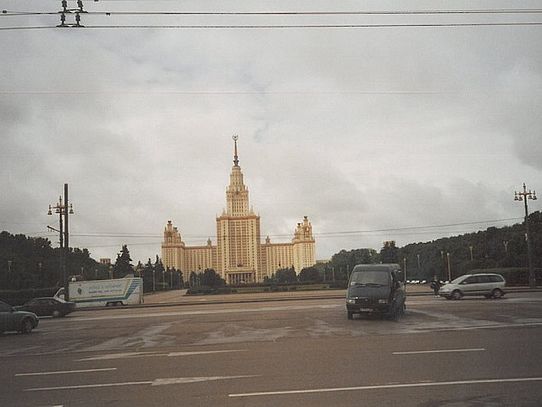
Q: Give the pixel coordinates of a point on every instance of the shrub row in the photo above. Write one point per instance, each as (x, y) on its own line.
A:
(210, 291)
(19, 297)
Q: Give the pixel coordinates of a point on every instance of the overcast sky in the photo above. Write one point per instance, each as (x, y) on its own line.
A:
(360, 129)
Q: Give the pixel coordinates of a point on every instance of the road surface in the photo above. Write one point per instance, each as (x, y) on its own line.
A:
(471, 352)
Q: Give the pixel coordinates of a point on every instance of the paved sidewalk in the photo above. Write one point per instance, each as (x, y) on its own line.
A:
(179, 297)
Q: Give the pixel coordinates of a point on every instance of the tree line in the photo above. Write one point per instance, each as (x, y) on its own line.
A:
(450, 257)
(28, 262)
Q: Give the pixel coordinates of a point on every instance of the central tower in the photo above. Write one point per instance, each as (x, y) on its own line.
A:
(237, 192)
(238, 232)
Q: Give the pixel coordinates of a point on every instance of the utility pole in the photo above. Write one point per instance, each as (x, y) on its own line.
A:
(523, 196)
(471, 256)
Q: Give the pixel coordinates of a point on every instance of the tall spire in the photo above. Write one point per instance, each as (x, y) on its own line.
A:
(237, 192)
(235, 157)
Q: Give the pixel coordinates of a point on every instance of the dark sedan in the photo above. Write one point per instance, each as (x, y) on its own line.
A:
(14, 320)
(48, 306)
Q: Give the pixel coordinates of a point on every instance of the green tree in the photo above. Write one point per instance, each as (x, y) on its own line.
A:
(210, 278)
(28, 262)
(148, 269)
(122, 265)
(389, 252)
(310, 274)
(286, 275)
(160, 273)
(181, 279)
(194, 279)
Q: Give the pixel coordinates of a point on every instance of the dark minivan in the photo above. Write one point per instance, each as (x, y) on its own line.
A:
(375, 288)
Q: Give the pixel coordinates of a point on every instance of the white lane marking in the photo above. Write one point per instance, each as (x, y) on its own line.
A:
(184, 380)
(210, 312)
(492, 326)
(389, 386)
(417, 352)
(156, 382)
(105, 369)
(88, 386)
(117, 356)
(206, 352)
(155, 354)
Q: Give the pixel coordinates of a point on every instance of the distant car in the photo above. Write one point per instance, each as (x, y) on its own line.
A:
(14, 320)
(487, 284)
(48, 306)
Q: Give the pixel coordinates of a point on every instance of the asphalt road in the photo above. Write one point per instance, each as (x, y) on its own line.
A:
(473, 352)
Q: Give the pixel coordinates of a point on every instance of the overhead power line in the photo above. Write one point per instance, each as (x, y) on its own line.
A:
(341, 233)
(258, 92)
(287, 26)
(291, 13)
(76, 12)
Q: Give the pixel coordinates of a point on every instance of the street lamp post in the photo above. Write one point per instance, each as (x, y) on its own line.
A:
(404, 271)
(40, 276)
(443, 264)
(63, 209)
(471, 256)
(523, 196)
(153, 280)
(8, 277)
(449, 269)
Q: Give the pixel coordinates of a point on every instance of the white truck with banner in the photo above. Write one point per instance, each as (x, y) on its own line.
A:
(96, 293)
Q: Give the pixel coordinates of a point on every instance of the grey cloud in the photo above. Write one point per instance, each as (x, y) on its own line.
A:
(137, 154)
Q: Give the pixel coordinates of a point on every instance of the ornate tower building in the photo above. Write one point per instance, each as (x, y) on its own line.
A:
(239, 255)
(303, 245)
(238, 232)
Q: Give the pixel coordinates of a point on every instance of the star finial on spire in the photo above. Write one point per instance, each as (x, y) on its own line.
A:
(235, 137)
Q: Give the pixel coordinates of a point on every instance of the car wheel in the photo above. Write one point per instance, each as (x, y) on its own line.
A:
(457, 295)
(26, 326)
(350, 315)
(56, 313)
(496, 293)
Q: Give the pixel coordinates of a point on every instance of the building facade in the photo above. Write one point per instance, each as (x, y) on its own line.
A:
(239, 255)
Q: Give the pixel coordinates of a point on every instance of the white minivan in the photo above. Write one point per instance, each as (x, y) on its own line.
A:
(487, 284)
